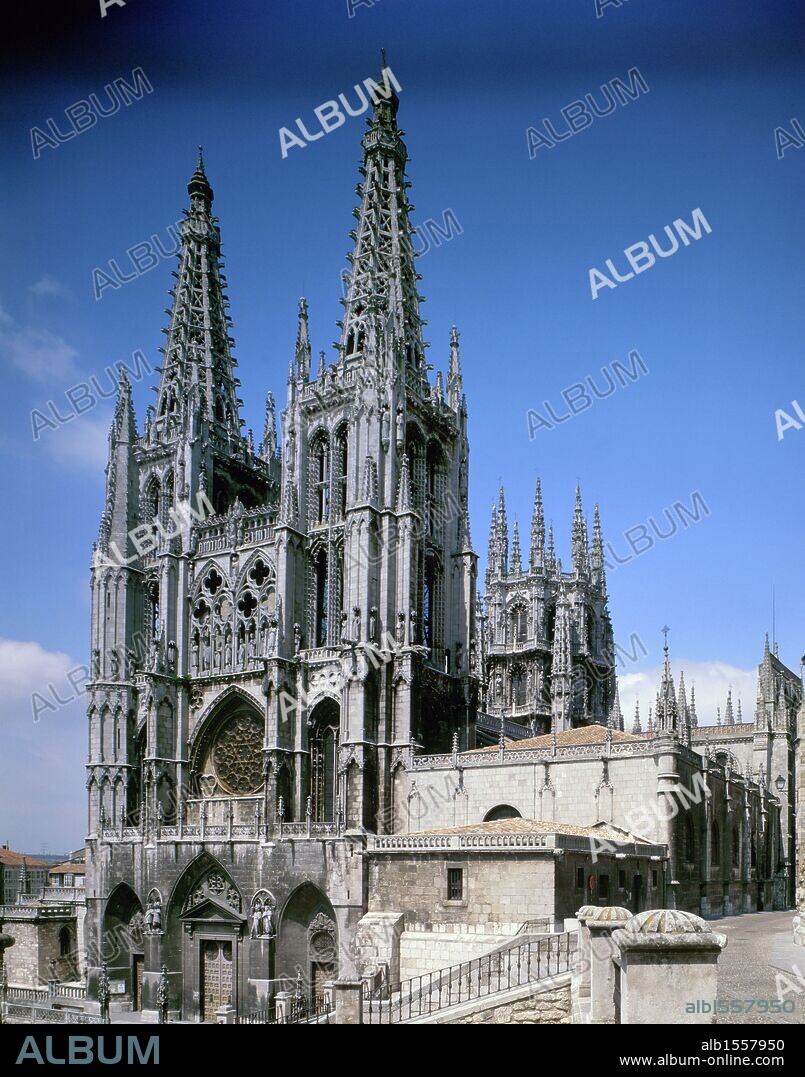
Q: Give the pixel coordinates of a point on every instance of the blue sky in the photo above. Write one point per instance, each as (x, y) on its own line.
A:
(718, 325)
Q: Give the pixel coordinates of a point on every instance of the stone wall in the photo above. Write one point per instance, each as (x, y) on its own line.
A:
(510, 887)
(422, 952)
(550, 1005)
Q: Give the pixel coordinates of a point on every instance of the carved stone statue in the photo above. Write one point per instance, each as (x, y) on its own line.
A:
(373, 624)
(272, 636)
(96, 663)
(297, 638)
(194, 659)
(356, 623)
(344, 627)
(400, 627)
(171, 656)
(114, 663)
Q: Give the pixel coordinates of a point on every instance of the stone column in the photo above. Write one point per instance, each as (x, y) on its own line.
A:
(603, 971)
(348, 1002)
(668, 968)
(584, 956)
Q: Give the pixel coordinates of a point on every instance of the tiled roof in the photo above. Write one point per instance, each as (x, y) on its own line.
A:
(77, 867)
(585, 734)
(13, 860)
(534, 826)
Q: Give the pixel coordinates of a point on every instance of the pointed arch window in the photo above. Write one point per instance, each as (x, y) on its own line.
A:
(320, 467)
(323, 752)
(322, 597)
(342, 471)
(519, 624)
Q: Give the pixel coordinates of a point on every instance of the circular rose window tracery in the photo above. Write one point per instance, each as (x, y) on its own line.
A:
(237, 755)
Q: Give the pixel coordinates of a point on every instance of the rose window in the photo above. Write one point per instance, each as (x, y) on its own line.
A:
(238, 755)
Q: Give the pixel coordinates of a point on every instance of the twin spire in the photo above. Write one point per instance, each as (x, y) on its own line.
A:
(198, 389)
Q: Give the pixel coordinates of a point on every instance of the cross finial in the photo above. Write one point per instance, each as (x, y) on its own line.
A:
(665, 630)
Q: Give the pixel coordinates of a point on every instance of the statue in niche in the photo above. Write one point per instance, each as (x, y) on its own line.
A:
(344, 627)
(473, 654)
(96, 663)
(373, 624)
(267, 922)
(228, 650)
(252, 645)
(194, 653)
(241, 650)
(400, 427)
(400, 627)
(272, 636)
(297, 638)
(216, 649)
(205, 654)
(171, 656)
(356, 623)
(412, 627)
(114, 662)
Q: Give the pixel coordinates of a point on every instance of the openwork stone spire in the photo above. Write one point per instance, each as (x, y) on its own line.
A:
(198, 390)
(455, 382)
(667, 711)
(381, 317)
(636, 726)
(538, 531)
(517, 560)
(303, 352)
(615, 720)
(580, 555)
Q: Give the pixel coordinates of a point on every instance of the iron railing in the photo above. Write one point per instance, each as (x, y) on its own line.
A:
(502, 970)
(31, 1014)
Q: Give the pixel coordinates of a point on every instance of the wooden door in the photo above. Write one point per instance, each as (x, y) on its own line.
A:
(137, 992)
(216, 976)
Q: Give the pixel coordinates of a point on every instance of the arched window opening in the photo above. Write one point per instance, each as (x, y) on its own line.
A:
(65, 942)
(322, 598)
(502, 811)
(342, 461)
(519, 624)
(154, 622)
(321, 483)
(519, 687)
(323, 752)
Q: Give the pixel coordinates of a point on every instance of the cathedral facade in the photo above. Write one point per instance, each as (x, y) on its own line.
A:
(286, 638)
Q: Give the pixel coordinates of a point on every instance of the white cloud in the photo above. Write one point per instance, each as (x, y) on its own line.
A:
(48, 287)
(82, 443)
(24, 667)
(711, 679)
(38, 353)
(41, 763)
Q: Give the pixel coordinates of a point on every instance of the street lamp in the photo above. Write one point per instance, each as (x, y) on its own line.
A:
(779, 783)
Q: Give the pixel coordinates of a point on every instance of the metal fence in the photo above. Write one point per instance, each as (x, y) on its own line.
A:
(515, 966)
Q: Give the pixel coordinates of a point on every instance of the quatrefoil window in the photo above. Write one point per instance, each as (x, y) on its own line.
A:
(201, 611)
(260, 573)
(247, 605)
(213, 582)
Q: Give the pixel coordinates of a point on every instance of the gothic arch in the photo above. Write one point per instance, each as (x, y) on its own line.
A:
(239, 774)
(195, 882)
(502, 811)
(307, 937)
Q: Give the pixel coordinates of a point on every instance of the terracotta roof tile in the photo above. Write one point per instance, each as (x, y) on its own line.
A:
(534, 826)
(585, 734)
